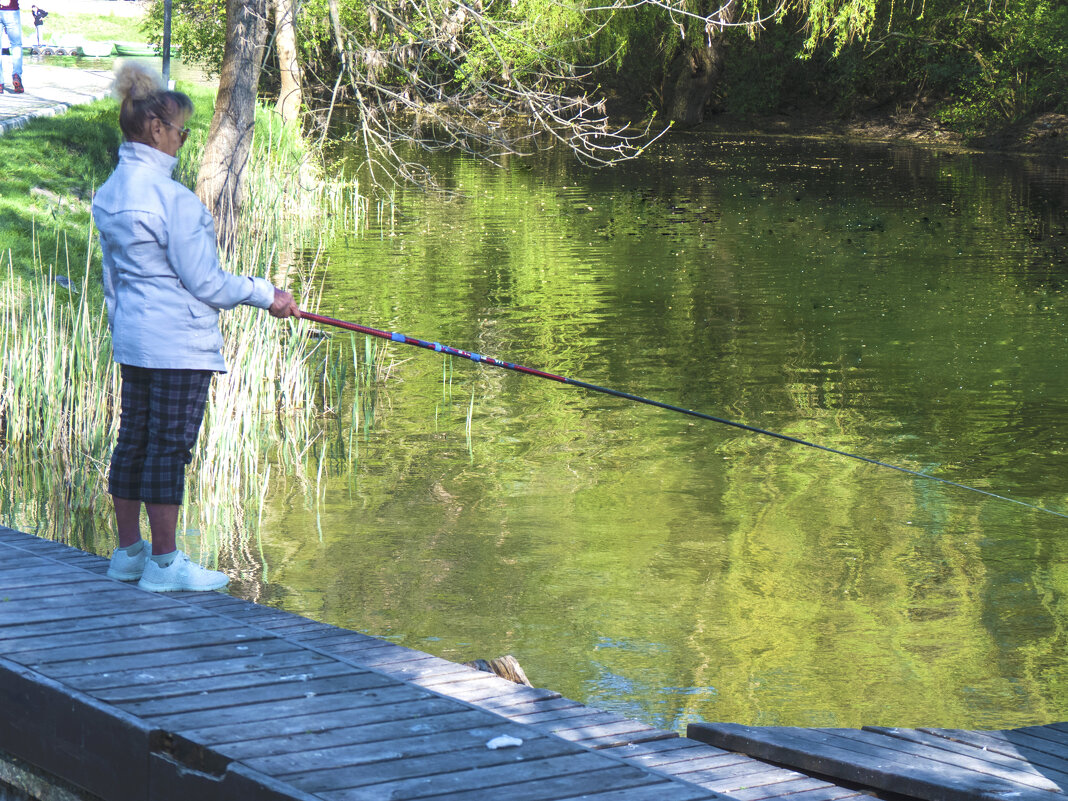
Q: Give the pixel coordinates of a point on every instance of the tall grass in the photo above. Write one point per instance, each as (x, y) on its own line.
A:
(282, 400)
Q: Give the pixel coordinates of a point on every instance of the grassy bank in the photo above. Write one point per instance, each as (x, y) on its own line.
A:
(58, 385)
(94, 20)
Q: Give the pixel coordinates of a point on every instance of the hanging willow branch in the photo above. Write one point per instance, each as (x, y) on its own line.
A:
(446, 74)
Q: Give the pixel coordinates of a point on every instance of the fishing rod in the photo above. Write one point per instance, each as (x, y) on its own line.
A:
(437, 347)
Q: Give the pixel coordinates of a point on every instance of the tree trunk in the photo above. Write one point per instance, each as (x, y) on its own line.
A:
(285, 42)
(699, 68)
(220, 183)
(697, 73)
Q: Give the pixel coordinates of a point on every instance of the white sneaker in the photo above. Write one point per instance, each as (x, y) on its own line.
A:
(181, 574)
(129, 568)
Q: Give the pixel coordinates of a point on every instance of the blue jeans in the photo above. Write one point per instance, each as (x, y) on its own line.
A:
(12, 26)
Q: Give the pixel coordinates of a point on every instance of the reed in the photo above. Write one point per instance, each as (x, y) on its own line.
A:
(284, 401)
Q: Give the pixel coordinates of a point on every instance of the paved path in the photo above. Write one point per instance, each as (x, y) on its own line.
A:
(51, 90)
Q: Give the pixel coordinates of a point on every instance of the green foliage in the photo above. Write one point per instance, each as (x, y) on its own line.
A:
(759, 75)
(198, 27)
(976, 65)
(1013, 63)
(837, 21)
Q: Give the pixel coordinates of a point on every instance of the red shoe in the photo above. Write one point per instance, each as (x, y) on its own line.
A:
(16, 84)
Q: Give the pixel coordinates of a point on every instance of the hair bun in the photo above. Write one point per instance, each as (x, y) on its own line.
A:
(136, 81)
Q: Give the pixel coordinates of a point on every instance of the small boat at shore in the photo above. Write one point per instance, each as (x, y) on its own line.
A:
(95, 49)
(135, 49)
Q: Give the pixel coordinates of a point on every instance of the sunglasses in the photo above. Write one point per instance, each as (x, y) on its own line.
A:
(183, 133)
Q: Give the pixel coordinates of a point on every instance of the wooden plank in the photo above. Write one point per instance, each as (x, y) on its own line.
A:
(665, 752)
(631, 751)
(296, 628)
(830, 793)
(594, 731)
(478, 779)
(613, 740)
(787, 789)
(272, 710)
(1046, 735)
(531, 699)
(68, 661)
(514, 708)
(86, 561)
(313, 666)
(345, 711)
(340, 637)
(360, 765)
(1023, 775)
(286, 654)
(705, 764)
(16, 608)
(800, 790)
(433, 668)
(595, 725)
(323, 729)
(590, 786)
(406, 656)
(818, 751)
(51, 655)
(14, 568)
(739, 777)
(41, 586)
(14, 634)
(212, 600)
(343, 640)
(1030, 743)
(50, 611)
(255, 612)
(385, 740)
(471, 685)
(662, 791)
(998, 751)
(378, 656)
(215, 700)
(188, 656)
(14, 562)
(567, 714)
(40, 546)
(132, 628)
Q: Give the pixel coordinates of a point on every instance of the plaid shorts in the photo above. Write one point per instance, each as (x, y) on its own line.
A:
(161, 415)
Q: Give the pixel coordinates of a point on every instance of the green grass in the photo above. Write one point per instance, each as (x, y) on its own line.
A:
(67, 157)
(94, 27)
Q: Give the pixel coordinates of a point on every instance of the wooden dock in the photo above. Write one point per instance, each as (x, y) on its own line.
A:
(1026, 764)
(134, 695)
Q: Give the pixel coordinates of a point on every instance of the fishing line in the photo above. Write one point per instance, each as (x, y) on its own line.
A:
(437, 347)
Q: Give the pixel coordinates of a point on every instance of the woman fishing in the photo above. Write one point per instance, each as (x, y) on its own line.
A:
(164, 288)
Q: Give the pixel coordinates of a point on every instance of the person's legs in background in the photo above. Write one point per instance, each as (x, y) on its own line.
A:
(11, 25)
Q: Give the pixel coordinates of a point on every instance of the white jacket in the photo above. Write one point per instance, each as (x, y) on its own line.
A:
(162, 280)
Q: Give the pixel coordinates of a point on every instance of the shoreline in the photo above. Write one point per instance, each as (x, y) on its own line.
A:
(1044, 135)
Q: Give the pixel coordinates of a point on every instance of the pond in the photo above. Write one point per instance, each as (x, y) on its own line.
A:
(903, 304)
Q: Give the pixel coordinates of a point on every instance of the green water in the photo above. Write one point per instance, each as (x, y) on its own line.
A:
(902, 304)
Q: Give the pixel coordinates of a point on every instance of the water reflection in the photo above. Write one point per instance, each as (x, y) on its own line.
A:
(899, 303)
